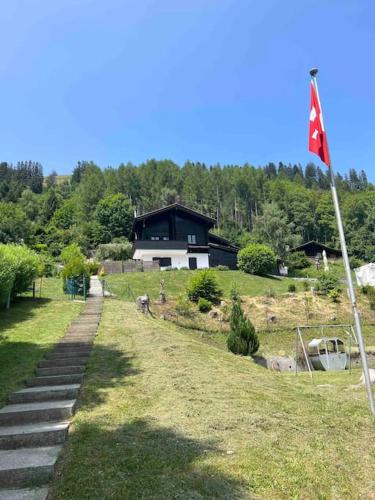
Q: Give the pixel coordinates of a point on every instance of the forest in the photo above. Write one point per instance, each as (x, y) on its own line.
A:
(280, 205)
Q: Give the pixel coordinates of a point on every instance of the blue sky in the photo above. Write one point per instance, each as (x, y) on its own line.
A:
(206, 80)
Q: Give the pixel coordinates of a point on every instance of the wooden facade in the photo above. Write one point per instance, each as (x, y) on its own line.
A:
(178, 236)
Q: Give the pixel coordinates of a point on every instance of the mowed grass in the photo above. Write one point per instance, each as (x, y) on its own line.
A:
(130, 285)
(28, 330)
(164, 415)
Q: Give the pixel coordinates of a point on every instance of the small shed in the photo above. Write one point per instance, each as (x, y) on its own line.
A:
(327, 353)
(314, 249)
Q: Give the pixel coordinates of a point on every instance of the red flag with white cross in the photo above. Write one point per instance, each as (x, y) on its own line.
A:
(317, 137)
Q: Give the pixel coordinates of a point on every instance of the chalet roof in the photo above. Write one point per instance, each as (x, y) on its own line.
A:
(219, 241)
(304, 246)
(176, 206)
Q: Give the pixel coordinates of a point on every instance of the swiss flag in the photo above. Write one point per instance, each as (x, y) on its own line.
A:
(317, 136)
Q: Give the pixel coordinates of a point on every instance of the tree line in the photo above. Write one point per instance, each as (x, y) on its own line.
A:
(281, 205)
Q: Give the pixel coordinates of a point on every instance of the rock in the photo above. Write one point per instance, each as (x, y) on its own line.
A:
(333, 318)
(214, 314)
(162, 316)
(223, 303)
(272, 318)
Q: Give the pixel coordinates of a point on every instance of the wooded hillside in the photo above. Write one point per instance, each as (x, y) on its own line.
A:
(276, 204)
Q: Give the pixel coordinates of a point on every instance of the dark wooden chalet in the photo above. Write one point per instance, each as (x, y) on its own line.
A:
(314, 249)
(178, 236)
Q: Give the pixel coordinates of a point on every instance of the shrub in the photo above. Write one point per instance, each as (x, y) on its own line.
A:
(297, 260)
(76, 273)
(19, 266)
(70, 252)
(233, 292)
(242, 338)
(256, 259)
(48, 265)
(114, 251)
(203, 284)
(183, 306)
(292, 288)
(334, 295)
(93, 267)
(204, 305)
(355, 262)
(328, 281)
(220, 267)
(371, 296)
(306, 285)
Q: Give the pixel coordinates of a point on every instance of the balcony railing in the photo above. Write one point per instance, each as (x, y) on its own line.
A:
(160, 245)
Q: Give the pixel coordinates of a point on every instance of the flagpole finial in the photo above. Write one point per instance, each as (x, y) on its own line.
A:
(313, 72)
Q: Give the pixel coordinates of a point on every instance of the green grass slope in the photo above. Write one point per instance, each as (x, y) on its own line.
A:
(28, 330)
(128, 285)
(164, 415)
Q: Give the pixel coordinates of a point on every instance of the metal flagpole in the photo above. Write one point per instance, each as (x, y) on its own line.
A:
(357, 320)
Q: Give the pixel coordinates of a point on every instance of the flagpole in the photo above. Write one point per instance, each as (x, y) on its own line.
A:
(356, 316)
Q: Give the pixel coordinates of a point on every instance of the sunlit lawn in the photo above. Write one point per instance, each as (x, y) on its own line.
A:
(165, 415)
(28, 329)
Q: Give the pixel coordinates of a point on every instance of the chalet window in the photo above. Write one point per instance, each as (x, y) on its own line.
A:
(163, 261)
(155, 238)
(165, 238)
(192, 239)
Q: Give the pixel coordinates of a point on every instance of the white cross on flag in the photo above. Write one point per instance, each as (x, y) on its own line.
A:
(317, 136)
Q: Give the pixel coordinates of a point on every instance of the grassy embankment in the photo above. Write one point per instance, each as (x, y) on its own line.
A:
(28, 329)
(164, 415)
(263, 298)
(129, 285)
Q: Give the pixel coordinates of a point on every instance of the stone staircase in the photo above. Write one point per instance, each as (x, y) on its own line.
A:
(34, 426)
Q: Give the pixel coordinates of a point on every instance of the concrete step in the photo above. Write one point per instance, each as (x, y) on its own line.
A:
(71, 353)
(64, 360)
(45, 393)
(59, 370)
(27, 466)
(33, 435)
(67, 348)
(24, 494)
(75, 342)
(74, 378)
(36, 412)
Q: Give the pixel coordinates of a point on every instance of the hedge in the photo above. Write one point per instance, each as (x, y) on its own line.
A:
(19, 266)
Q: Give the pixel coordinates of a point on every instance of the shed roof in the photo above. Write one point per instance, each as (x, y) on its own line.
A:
(304, 246)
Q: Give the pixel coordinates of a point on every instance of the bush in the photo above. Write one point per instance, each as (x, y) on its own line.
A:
(76, 273)
(183, 307)
(292, 288)
(70, 252)
(19, 266)
(233, 292)
(327, 282)
(306, 285)
(256, 259)
(220, 267)
(93, 267)
(355, 262)
(204, 305)
(297, 260)
(114, 251)
(371, 296)
(48, 265)
(334, 295)
(203, 284)
(242, 338)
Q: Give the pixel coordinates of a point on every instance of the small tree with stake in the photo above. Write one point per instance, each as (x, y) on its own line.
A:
(242, 338)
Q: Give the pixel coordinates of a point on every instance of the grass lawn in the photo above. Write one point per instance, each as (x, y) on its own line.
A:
(131, 285)
(28, 329)
(165, 415)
